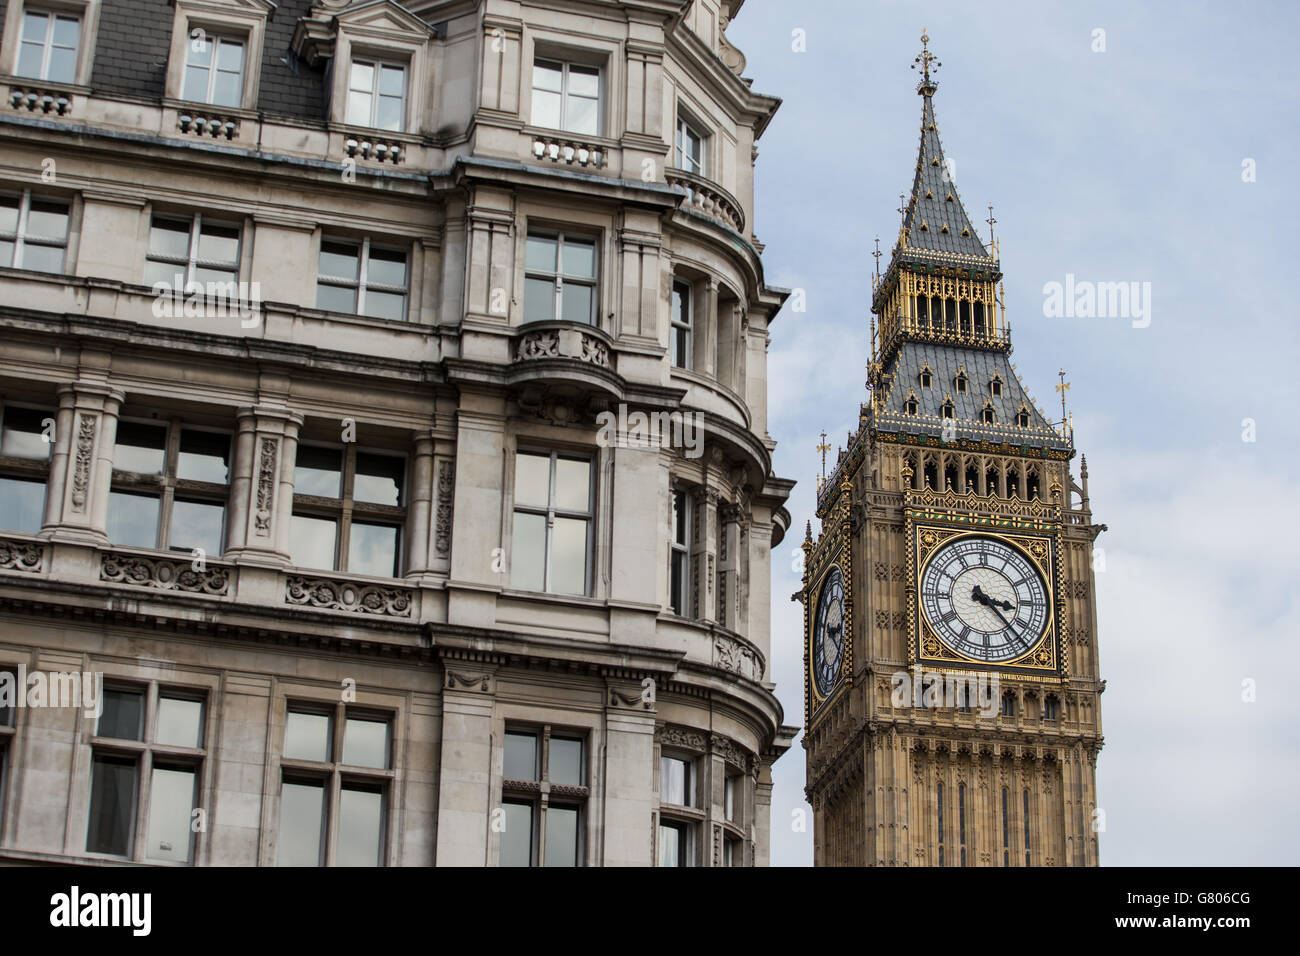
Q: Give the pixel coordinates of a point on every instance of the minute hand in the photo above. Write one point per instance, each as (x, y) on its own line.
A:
(994, 608)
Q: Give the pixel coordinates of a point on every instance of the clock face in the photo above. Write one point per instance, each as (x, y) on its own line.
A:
(828, 633)
(984, 599)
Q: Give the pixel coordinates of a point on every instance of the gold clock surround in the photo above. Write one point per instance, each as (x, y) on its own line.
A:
(833, 550)
(1047, 660)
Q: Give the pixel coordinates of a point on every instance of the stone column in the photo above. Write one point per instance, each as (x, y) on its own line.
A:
(261, 485)
(465, 766)
(706, 330)
(81, 466)
(628, 777)
(419, 507)
(704, 549)
(762, 828)
(729, 558)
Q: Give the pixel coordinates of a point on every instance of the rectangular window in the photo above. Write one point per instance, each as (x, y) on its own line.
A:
(151, 775)
(25, 442)
(336, 765)
(348, 510)
(198, 249)
(560, 278)
(47, 49)
(214, 71)
(33, 232)
(677, 781)
(551, 546)
(683, 307)
(731, 798)
(676, 839)
(170, 487)
(543, 797)
(377, 95)
(566, 96)
(690, 148)
(733, 852)
(680, 569)
(361, 279)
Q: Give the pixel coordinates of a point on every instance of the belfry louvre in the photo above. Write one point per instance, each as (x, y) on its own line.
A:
(310, 314)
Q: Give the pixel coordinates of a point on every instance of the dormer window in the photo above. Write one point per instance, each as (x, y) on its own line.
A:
(48, 49)
(377, 94)
(566, 96)
(216, 52)
(947, 409)
(1022, 417)
(960, 381)
(926, 377)
(995, 387)
(911, 404)
(214, 71)
(987, 414)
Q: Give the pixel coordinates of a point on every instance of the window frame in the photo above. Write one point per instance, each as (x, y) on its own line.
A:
(551, 512)
(20, 468)
(679, 558)
(378, 61)
(542, 794)
(246, 20)
(362, 283)
(686, 819)
(148, 755)
(566, 65)
(217, 39)
(683, 129)
(345, 509)
(53, 12)
(192, 261)
(21, 237)
(166, 487)
(560, 277)
(681, 336)
(336, 777)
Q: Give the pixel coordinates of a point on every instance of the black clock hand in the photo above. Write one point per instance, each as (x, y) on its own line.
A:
(979, 596)
(992, 607)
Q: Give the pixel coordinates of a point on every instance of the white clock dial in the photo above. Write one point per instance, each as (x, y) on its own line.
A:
(984, 598)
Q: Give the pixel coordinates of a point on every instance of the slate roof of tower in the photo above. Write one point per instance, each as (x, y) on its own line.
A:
(945, 362)
(935, 203)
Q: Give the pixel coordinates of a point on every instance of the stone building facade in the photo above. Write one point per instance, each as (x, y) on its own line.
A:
(337, 336)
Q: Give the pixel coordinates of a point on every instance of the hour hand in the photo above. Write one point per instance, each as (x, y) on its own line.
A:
(979, 596)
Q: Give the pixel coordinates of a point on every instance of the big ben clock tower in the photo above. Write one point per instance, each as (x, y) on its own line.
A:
(952, 690)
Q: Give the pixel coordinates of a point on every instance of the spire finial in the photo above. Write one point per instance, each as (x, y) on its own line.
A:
(927, 59)
(1063, 388)
(823, 448)
(992, 222)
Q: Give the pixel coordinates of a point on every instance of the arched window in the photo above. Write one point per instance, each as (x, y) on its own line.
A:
(991, 480)
(950, 476)
(947, 410)
(972, 479)
(995, 387)
(1051, 707)
(1008, 704)
(1022, 417)
(932, 475)
(988, 415)
(940, 801)
(960, 381)
(926, 376)
(911, 406)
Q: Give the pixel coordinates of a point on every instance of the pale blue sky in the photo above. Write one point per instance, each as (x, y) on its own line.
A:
(1123, 165)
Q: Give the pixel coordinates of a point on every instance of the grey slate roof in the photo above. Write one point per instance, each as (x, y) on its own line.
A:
(935, 203)
(980, 366)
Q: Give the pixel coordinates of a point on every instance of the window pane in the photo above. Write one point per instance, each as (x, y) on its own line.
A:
(219, 243)
(517, 837)
(565, 762)
(30, 56)
(230, 56)
(63, 65)
(313, 542)
(180, 722)
(391, 113)
(546, 76)
(206, 275)
(729, 798)
(140, 448)
(67, 30)
(43, 258)
(576, 302)
(520, 759)
(35, 26)
(584, 81)
(112, 805)
(572, 484)
(365, 742)
(379, 479)
(674, 781)
(546, 109)
(9, 214)
(392, 81)
(302, 815)
(561, 836)
(200, 52)
(539, 254)
(196, 83)
(372, 549)
(580, 258)
(318, 471)
(336, 298)
(385, 305)
(170, 237)
(539, 300)
(583, 116)
(307, 736)
(569, 556)
(361, 824)
(47, 220)
(358, 108)
(7, 253)
(121, 714)
(171, 806)
(133, 520)
(24, 432)
(22, 505)
(198, 524)
(168, 273)
(341, 260)
(532, 479)
(363, 77)
(528, 552)
(681, 513)
(204, 456)
(670, 846)
(386, 267)
(8, 680)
